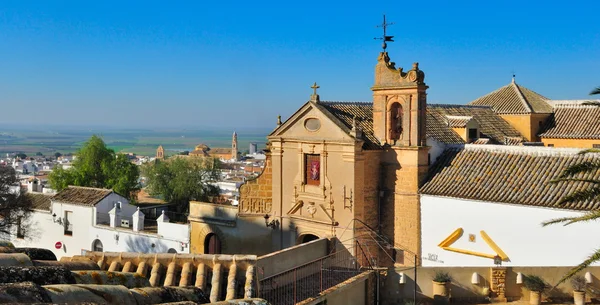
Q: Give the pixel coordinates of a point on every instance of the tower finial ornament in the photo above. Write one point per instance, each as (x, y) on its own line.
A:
(385, 37)
(315, 97)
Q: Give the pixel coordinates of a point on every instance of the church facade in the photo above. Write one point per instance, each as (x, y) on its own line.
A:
(398, 181)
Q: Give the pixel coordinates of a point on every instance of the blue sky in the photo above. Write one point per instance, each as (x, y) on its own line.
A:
(171, 64)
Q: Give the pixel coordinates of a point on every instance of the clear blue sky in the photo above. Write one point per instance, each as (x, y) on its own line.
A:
(235, 64)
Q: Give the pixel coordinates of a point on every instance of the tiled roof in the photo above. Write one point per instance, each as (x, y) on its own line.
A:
(363, 111)
(508, 174)
(491, 125)
(573, 122)
(458, 121)
(40, 201)
(87, 196)
(514, 99)
(219, 151)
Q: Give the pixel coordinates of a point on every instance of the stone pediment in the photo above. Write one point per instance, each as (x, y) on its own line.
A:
(310, 123)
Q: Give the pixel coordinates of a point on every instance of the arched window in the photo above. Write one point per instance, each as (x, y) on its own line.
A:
(97, 246)
(395, 121)
(212, 244)
(171, 250)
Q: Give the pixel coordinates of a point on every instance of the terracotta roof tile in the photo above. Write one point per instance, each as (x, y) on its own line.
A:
(514, 99)
(346, 111)
(459, 121)
(87, 196)
(573, 122)
(40, 201)
(508, 174)
(491, 125)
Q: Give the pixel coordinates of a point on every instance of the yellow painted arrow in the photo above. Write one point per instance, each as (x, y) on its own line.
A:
(446, 243)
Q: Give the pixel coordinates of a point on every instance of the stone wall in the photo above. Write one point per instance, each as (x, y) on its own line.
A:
(404, 170)
(280, 261)
(496, 283)
(355, 291)
(256, 195)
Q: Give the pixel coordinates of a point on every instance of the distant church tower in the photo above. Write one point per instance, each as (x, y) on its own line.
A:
(234, 149)
(160, 153)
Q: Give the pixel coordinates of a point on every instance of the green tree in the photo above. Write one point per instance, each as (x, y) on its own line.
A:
(581, 172)
(57, 154)
(98, 166)
(39, 153)
(21, 156)
(180, 180)
(15, 206)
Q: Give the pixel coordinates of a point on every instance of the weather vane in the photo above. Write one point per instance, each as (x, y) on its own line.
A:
(385, 38)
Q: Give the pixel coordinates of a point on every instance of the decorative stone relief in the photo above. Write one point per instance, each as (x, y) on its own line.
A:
(498, 283)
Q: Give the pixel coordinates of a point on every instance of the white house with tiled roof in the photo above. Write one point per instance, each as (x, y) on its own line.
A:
(481, 201)
(80, 219)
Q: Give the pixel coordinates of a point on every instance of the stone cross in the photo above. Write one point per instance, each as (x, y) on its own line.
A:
(315, 97)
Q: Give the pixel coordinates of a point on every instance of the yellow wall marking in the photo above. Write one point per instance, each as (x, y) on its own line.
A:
(446, 243)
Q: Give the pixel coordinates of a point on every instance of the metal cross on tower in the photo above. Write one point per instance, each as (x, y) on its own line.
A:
(385, 38)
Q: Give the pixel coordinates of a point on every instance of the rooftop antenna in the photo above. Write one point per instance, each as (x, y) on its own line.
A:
(385, 37)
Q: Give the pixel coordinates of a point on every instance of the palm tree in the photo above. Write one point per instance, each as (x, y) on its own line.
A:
(581, 172)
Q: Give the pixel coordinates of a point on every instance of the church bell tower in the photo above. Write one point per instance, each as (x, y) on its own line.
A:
(399, 117)
(399, 104)
(234, 149)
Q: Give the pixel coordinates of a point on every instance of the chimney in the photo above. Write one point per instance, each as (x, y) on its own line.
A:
(138, 220)
(115, 217)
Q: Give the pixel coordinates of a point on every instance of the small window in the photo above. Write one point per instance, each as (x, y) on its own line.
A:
(596, 145)
(473, 134)
(20, 233)
(550, 145)
(68, 223)
(97, 246)
(428, 159)
(312, 174)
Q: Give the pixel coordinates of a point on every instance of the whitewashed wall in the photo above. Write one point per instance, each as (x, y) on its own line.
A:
(44, 232)
(516, 229)
(130, 241)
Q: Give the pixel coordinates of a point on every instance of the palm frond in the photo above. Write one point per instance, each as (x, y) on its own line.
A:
(589, 150)
(595, 91)
(582, 195)
(556, 220)
(583, 167)
(589, 216)
(575, 179)
(594, 257)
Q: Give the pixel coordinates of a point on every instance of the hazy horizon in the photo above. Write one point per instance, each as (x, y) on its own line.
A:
(240, 64)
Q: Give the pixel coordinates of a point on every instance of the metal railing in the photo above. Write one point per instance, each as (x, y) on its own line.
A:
(309, 280)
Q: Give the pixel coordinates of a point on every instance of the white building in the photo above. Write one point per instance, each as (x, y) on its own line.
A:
(80, 218)
(482, 201)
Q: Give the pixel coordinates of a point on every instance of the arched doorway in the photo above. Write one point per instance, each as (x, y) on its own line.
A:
(304, 238)
(212, 244)
(171, 250)
(97, 246)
